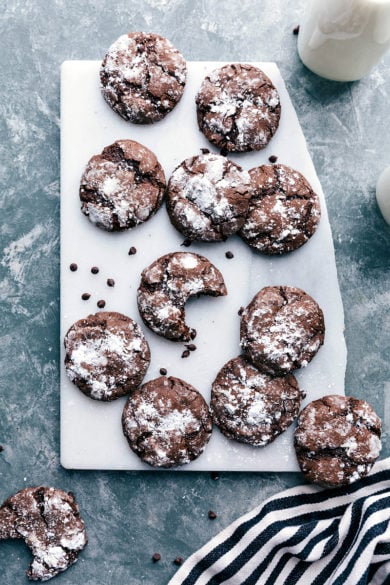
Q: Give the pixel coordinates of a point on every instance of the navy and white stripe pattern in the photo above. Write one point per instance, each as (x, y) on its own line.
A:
(303, 536)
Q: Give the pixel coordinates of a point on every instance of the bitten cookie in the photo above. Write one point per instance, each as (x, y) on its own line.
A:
(122, 187)
(49, 522)
(106, 355)
(252, 407)
(238, 108)
(142, 77)
(207, 197)
(337, 440)
(283, 213)
(167, 284)
(281, 329)
(167, 422)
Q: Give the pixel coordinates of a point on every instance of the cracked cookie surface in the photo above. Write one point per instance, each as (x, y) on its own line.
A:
(283, 212)
(167, 422)
(337, 440)
(142, 77)
(207, 197)
(167, 284)
(122, 187)
(49, 522)
(250, 406)
(281, 329)
(106, 355)
(238, 108)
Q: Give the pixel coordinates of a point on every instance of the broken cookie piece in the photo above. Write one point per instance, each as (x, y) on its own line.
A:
(48, 520)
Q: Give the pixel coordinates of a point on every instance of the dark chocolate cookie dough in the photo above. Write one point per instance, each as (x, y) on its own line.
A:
(167, 422)
(142, 77)
(207, 197)
(106, 355)
(167, 284)
(282, 329)
(238, 108)
(284, 211)
(49, 522)
(122, 187)
(337, 440)
(250, 406)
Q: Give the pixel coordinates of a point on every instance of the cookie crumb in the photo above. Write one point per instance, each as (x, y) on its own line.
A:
(163, 371)
(110, 282)
(204, 151)
(229, 254)
(132, 251)
(187, 243)
(185, 353)
(94, 270)
(156, 557)
(296, 30)
(101, 304)
(212, 515)
(193, 333)
(214, 475)
(272, 158)
(85, 296)
(73, 267)
(240, 311)
(191, 346)
(178, 561)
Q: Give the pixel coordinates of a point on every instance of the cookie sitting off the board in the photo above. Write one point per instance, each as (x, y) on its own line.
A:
(167, 284)
(142, 77)
(337, 440)
(49, 522)
(281, 329)
(238, 108)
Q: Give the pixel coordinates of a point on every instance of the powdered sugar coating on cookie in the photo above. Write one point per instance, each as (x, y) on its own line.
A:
(238, 108)
(122, 187)
(49, 521)
(167, 284)
(167, 422)
(337, 440)
(253, 407)
(142, 77)
(281, 329)
(283, 212)
(207, 197)
(107, 355)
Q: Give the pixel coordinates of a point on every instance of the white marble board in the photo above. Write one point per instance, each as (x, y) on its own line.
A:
(91, 434)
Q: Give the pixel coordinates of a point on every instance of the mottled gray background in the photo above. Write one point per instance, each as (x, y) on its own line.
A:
(131, 515)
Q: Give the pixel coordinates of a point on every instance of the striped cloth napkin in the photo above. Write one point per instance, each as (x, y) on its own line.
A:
(303, 536)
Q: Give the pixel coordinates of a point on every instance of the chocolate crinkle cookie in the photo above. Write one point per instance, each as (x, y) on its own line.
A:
(252, 407)
(207, 197)
(48, 520)
(238, 108)
(167, 422)
(106, 355)
(122, 187)
(167, 284)
(281, 329)
(142, 77)
(283, 213)
(337, 440)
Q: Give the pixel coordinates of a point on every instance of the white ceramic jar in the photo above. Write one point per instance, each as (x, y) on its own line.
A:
(383, 194)
(343, 39)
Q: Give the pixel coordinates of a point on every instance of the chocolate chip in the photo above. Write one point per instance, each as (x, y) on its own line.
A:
(187, 242)
(204, 151)
(193, 333)
(212, 515)
(132, 251)
(85, 296)
(179, 560)
(229, 254)
(191, 346)
(185, 353)
(224, 152)
(214, 475)
(73, 267)
(163, 371)
(240, 311)
(101, 304)
(110, 282)
(296, 30)
(272, 158)
(1, 448)
(94, 269)
(156, 557)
